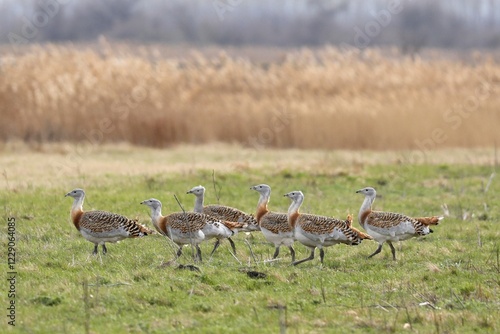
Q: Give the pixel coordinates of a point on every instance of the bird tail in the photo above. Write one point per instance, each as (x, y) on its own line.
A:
(142, 229)
(434, 220)
(348, 220)
(361, 235)
(234, 225)
(146, 230)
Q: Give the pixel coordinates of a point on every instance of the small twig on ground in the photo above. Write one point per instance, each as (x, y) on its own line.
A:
(323, 292)
(217, 193)
(251, 251)
(256, 314)
(431, 305)
(234, 255)
(492, 176)
(381, 307)
(459, 300)
(272, 260)
(446, 211)
(388, 304)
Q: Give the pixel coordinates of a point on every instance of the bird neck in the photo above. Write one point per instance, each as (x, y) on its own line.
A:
(262, 207)
(156, 217)
(293, 211)
(198, 203)
(295, 206)
(77, 211)
(78, 204)
(366, 207)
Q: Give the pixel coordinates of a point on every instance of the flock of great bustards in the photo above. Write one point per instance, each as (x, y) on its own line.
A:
(222, 222)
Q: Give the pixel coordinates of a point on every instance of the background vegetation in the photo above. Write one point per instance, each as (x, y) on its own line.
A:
(310, 98)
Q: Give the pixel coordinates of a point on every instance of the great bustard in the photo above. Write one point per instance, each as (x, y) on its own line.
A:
(389, 226)
(315, 231)
(223, 212)
(185, 228)
(274, 226)
(100, 227)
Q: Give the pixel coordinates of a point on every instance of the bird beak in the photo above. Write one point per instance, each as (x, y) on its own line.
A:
(358, 191)
(66, 195)
(189, 192)
(142, 202)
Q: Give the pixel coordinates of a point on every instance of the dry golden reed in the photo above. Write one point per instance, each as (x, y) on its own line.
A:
(325, 98)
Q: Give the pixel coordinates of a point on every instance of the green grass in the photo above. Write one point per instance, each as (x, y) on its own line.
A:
(456, 269)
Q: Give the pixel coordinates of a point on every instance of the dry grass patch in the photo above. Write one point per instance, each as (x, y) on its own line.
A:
(25, 166)
(320, 98)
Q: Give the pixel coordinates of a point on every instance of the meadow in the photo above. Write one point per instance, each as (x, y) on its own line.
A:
(447, 282)
(324, 98)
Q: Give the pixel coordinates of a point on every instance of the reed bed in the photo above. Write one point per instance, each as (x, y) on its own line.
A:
(324, 98)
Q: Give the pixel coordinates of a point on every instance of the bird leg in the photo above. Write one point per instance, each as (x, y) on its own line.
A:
(104, 249)
(276, 252)
(321, 254)
(376, 251)
(198, 253)
(233, 246)
(95, 249)
(393, 250)
(292, 253)
(179, 253)
(216, 245)
(311, 257)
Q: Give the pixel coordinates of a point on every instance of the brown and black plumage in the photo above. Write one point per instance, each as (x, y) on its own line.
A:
(315, 231)
(100, 227)
(223, 212)
(389, 226)
(233, 220)
(185, 228)
(274, 226)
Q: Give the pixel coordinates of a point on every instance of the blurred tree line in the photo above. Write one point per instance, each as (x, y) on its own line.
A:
(408, 24)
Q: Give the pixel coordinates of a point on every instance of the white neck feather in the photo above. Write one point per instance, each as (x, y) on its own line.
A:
(198, 203)
(156, 215)
(367, 205)
(78, 203)
(263, 200)
(295, 206)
